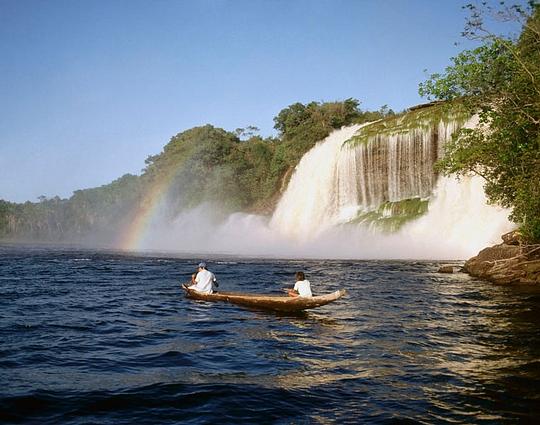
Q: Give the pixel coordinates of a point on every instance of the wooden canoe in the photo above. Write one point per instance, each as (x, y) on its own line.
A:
(267, 302)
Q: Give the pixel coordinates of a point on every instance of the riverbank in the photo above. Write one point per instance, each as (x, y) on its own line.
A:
(510, 262)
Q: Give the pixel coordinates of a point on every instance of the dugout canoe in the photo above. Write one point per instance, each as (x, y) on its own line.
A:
(267, 302)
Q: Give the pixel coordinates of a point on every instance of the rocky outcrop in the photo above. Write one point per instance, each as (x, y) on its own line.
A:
(446, 269)
(512, 261)
(512, 238)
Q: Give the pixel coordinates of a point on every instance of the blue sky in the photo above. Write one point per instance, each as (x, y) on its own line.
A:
(89, 89)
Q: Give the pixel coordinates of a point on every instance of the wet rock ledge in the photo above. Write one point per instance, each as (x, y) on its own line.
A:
(510, 262)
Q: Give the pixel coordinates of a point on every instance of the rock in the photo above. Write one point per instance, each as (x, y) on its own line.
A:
(446, 269)
(497, 252)
(512, 238)
(495, 264)
(507, 262)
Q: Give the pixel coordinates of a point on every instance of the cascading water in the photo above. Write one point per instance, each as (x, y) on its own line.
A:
(308, 205)
(352, 176)
(390, 168)
(344, 176)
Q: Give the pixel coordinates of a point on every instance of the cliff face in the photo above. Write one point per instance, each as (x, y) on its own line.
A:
(510, 262)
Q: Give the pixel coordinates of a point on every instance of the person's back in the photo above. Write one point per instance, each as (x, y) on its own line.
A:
(204, 281)
(303, 287)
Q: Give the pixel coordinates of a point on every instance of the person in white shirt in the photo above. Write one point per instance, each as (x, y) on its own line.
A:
(302, 287)
(205, 281)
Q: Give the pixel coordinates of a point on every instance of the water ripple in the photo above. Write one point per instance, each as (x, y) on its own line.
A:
(103, 337)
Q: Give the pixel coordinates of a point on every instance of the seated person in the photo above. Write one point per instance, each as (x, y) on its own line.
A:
(302, 287)
(205, 281)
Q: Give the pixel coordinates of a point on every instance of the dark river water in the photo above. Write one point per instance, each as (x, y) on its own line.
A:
(89, 337)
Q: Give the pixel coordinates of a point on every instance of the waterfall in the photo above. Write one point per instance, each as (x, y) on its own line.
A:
(363, 176)
(387, 169)
(366, 192)
(308, 206)
(343, 177)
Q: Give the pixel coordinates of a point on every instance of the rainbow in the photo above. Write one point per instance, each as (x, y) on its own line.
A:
(132, 236)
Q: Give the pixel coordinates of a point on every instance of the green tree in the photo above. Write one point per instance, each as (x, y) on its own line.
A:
(301, 127)
(499, 81)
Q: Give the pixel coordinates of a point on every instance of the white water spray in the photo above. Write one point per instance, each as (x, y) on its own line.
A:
(336, 181)
(307, 208)
(459, 221)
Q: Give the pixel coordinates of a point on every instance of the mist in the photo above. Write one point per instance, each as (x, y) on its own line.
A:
(313, 217)
(457, 225)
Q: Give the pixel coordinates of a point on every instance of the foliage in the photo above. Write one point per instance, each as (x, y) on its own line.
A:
(193, 161)
(301, 126)
(88, 212)
(299, 119)
(424, 117)
(500, 81)
(391, 216)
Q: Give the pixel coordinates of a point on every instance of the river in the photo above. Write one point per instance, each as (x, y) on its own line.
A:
(108, 337)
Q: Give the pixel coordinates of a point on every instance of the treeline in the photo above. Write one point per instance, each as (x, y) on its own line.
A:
(90, 214)
(239, 171)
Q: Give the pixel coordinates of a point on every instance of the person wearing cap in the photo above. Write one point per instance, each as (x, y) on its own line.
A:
(205, 281)
(302, 287)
